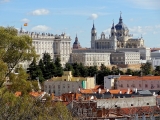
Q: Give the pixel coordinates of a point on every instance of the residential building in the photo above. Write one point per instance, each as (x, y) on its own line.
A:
(132, 82)
(139, 82)
(68, 84)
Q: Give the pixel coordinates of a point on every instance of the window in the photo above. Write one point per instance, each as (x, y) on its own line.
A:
(152, 86)
(146, 86)
(139, 85)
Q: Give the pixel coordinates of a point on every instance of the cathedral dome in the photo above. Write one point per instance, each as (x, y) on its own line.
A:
(76, 43)
(121, 25)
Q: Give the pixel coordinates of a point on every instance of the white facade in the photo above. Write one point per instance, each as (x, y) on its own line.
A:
(55, 45)
(119, 40)
(125, 58)
(127, 102)
(110, 82)
(155, 54)
(91, 59)
(155, 62)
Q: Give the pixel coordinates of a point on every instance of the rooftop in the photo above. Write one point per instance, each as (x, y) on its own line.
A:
(139, 78)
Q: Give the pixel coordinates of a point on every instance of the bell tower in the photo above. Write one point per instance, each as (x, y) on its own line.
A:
(114, 37)
(93, 36)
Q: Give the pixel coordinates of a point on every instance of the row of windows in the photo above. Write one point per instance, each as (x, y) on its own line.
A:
(140, 85)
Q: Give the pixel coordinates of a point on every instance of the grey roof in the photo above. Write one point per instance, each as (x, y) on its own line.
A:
(144, 92)
(121, 25)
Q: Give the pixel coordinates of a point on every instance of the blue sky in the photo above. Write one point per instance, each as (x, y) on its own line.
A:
(142, 17)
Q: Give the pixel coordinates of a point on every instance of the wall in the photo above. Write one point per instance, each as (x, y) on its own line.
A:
(126, 102)
(139, 84)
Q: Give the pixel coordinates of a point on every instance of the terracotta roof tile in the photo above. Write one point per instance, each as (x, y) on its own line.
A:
(139, 78)
(114, 91)
(35, 94)
(17, 94)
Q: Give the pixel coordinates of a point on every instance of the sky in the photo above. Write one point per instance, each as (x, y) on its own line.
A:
(142, 17)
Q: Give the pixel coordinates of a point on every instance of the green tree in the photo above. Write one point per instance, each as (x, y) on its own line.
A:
(104, 71)
(146, 68)
(92, 70)
(19, 82)
(35, 71)
(59, 69)
(129, 72)
(157, 70)
(14, 48)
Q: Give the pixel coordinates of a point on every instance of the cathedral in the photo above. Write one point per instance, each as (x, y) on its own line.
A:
(120, 46)
(119, 38)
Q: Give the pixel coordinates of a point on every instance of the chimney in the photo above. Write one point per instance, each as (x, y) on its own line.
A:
(107, 90)
(99, 90)
(128, 91)
(135, 90)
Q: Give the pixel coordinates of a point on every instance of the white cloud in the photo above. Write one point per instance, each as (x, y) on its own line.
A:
(40, 28)
(93, 16)
(138, 30)
(40, 12)
(3, 1)
(146, 4)
(25, 20)
(107, 31)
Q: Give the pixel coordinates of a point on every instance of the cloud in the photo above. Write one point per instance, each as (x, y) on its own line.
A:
(25, 20)
(40, 28)
(107, 31)
(40, 12)
(146, 4)
(93, 16)
(137, 30)
(4, 1)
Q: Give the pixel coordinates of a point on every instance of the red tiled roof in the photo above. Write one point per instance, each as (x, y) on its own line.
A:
(17, 94)
(114, 91)
(35, 94)
(124, 91)
(87, 91)
(139, 110)
(139, 78)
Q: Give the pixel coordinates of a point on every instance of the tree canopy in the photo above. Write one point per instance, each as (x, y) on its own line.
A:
(14, 49)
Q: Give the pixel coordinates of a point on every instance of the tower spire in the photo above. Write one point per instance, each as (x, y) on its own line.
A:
(113, 24)
(93, 24)
(120, 19)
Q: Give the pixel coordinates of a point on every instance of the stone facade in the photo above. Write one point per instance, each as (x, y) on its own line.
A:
(55, 45)
(91, 59)
(125, 58)
(123, 47)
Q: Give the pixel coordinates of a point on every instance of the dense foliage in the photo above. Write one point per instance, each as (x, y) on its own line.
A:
(45, 69)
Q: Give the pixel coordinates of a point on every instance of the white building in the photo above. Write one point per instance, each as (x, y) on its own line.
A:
(55, 45)
(118, 41)
(110, 81)
(155, 54)
(91, 59)
(125, 58)
(132, 82)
